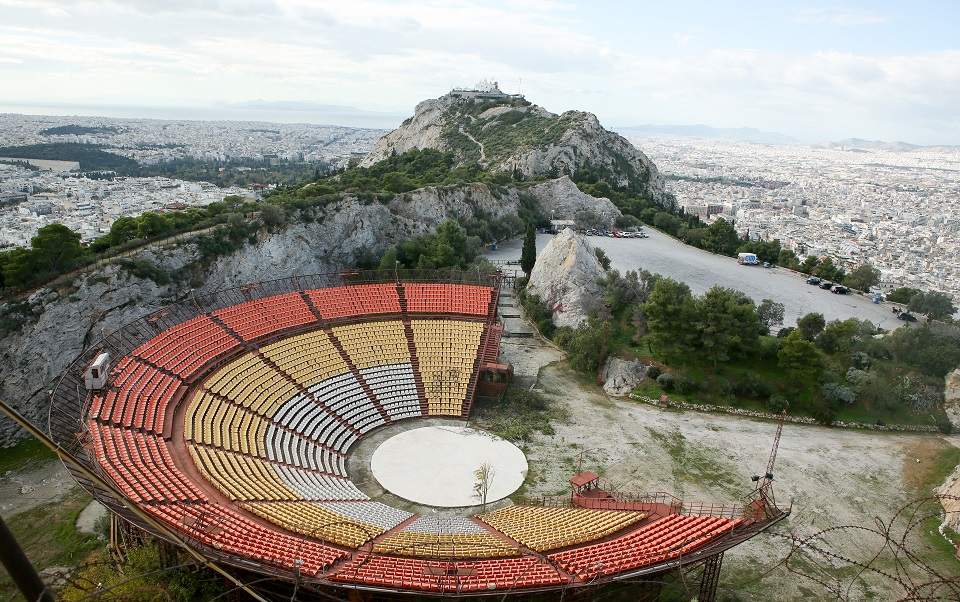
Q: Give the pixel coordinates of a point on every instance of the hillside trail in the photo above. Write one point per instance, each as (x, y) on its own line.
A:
(483, 154)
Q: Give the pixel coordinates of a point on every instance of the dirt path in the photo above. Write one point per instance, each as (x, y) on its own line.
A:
(33, 486)
(483, 154)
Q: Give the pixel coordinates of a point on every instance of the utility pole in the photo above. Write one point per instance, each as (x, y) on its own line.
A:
(19, 568)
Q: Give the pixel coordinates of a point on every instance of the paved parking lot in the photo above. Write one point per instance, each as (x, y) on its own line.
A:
(700, 270)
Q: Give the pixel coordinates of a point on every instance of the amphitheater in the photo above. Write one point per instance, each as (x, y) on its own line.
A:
(229, 419)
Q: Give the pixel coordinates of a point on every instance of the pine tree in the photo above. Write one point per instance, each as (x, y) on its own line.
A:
(528, 256)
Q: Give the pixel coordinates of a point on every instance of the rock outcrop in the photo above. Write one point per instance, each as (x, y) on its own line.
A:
(565, 278)
(514, 136)
(620, 376)
(55, 326)
(951, 398)
(561, 199)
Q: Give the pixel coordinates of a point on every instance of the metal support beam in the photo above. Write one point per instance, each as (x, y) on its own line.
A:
(710, 578)
(21, 571)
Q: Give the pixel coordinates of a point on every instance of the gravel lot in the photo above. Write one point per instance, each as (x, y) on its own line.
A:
(700, 270)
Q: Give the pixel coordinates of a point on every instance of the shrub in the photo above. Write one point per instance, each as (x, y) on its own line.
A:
(686, 385)
(666, 381)
(653, 372)
(751, 386)
(768, 347)
(944, 425)
(785, 332)
(602, 258)
(777, 403)
(562, 337)
(860, 360)
(836, 393)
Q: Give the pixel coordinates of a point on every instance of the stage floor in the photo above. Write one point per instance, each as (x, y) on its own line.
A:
(434, 465)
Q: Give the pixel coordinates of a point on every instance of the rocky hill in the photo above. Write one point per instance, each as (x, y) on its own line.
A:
(514, 136)
(565, 278)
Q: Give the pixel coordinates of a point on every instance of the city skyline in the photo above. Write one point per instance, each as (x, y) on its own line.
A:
(822, 72)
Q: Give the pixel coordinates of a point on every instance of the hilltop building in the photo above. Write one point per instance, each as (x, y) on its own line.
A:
(484, 90)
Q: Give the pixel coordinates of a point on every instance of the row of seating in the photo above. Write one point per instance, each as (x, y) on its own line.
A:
(137, 398)
(395, 388)
(664, 539)
(355, 300)
(544, 528)
(140, 464)
(447, 353)
(464, 299)
(312, 421)
(228, 531)
(240, 477)
(374, 343)
(253, 383)
(308, 358)
(445, 545)
(265, 316)
(439, 576)
(317, 521)
(183, 349)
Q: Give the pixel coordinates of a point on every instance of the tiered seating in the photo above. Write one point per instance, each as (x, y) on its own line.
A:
(314, 486)
(141, 465)
(447, 352)
(313, 423)
(463, 299)
(395, 388)
(214, 421)
(662, 540)
(252, 383)
(543, 529)
(356, 300)
(315, 520)
(265, 316)
(228, 531)
(374, 513)
(445, 537)
(374, 343)
(240, 477)
(308, 358)
(137, 398)
(184, 348)
(470, 576)
(345, 396)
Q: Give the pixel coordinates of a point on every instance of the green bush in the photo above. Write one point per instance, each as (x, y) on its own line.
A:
(666, 381)
(653, 372)
(777, 403)
(685, 385)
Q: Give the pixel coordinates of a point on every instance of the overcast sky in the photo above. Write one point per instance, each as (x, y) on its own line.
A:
(887, 70)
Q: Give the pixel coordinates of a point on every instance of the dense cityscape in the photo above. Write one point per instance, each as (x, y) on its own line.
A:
(895, 210)
(36, 193)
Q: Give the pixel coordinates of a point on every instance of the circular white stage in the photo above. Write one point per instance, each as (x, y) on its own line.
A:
(434, 465)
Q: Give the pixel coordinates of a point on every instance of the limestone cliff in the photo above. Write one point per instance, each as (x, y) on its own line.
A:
(565, 277)
(514, 136)
(56, 325)
(561, 199)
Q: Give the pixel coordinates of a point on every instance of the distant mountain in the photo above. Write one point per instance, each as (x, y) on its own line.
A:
(705, 131)
(506, 133)
(859, 144)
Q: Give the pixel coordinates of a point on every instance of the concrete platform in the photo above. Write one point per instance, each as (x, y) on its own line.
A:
(434, 465)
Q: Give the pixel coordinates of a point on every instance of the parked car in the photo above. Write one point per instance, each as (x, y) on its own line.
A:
(766, 264)
(906, 316)
(826, 285)
(840, 290)
(813, 280)
(591, 232)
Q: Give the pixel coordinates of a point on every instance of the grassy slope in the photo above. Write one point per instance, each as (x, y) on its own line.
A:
(23, 454)
(49, 537)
